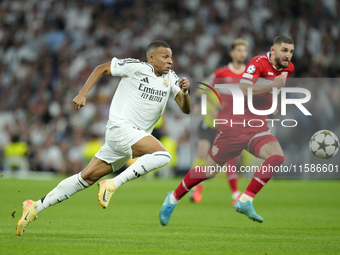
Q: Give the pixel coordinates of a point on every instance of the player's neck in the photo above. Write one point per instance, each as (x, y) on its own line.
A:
(158, 74)
(272, 59)
(237, 66)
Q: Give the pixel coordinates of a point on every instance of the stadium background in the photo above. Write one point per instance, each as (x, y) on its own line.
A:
(49, 48)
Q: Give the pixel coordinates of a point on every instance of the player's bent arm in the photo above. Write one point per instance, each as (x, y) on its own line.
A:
(278, 82)
(96, 74)
(257, 90)
(80, 100)
(183, 102)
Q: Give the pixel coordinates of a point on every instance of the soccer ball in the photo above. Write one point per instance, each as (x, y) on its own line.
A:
(324, 144)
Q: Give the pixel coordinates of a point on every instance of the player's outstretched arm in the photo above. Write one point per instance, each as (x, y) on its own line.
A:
(80, 100)
(183, 101)
(278, 82)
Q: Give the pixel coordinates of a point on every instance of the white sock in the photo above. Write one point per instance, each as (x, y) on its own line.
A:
(173, 200)
(64, 190)
(142, 166)
(244, 198)
(235, 194)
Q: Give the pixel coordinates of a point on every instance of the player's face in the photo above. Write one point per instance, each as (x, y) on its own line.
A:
(162, 60)
(283, 54)
(239, 54)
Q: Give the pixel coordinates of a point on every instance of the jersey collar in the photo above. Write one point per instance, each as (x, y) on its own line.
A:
(239, 71)
(150, 67)
(268, 56)
(153, 72)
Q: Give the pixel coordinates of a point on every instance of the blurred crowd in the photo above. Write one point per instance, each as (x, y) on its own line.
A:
(49, 48)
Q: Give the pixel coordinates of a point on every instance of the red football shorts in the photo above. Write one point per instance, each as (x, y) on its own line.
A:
(228, 144)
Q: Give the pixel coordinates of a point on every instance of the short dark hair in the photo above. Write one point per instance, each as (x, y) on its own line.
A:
(282, 39)
(155, 45)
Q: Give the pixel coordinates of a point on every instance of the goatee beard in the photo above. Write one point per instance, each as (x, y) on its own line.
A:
(280, 64)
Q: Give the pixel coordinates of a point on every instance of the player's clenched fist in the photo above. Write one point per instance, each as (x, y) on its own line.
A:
(184, 84)
(280, 80)
(79, 101)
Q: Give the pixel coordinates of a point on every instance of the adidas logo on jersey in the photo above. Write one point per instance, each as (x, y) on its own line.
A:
(146, 80)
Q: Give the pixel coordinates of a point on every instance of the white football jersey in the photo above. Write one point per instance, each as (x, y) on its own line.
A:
(141, 96)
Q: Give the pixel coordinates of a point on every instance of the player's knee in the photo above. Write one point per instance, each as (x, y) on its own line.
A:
(89, 177)
(163, 157)
(203, 154)
(211, 174)
(90, 180)
(275, 151)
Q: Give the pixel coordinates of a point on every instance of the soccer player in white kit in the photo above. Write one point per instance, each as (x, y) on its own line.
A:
(136, 107)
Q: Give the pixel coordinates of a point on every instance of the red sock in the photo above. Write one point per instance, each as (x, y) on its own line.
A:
(232, 176)
(261, 178)
(191, 179)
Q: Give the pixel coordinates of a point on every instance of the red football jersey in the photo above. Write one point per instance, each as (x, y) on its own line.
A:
(226, 75)
(259, 71)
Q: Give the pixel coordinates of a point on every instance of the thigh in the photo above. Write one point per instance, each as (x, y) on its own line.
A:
(146, 145)
(227, 145)
(114, 154)
(130, 141)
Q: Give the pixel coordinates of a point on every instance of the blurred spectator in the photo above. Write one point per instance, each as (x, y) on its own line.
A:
(91, 148)
(16, 155)
(75, 156)
(51, 157)
(183, 162)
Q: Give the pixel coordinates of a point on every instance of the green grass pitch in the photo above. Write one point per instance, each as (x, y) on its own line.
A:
(300, 217)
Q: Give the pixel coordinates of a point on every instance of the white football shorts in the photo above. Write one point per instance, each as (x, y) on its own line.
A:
(118, 141)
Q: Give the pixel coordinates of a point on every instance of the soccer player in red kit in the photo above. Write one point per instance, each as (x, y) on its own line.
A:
(263, 73)
(229, 74)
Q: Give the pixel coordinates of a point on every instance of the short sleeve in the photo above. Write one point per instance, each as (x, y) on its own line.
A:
(252, 73)
(174, 83)
(123, 67)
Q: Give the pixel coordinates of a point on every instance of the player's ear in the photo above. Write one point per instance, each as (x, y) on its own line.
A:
(150, 58)
(272, 49)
